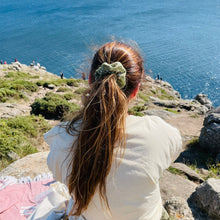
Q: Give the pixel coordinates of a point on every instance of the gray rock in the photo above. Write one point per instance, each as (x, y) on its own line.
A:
(36, 68)
(210, 134)
(178, 208)
(160, 113)
(43, 68)
(167, 103)
(8, 110)
(207, 197)
(203, 99)
(51, 86)
(183, 104)
(13, 156)
(204, 172)
(191, 174)
(31, 165)
(170, 186)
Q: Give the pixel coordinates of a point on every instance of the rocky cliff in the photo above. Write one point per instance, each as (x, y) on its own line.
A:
(189, 188)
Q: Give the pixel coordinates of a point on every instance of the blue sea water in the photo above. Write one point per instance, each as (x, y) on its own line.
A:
(179, 39)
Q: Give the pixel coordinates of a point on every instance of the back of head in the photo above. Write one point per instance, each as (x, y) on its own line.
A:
(128, 56)
(102, 121)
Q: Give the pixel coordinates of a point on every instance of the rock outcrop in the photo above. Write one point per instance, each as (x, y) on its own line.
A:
(31, 165)
(207, 197)
(203, 99)
(210, 133)
(8, 110)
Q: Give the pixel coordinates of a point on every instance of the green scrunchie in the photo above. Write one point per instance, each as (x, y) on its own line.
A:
(115, 68)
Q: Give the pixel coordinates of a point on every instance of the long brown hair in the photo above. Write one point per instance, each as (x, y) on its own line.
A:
(102, 125)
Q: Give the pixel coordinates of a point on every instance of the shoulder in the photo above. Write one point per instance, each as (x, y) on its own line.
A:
(161, 139)
(58, 137)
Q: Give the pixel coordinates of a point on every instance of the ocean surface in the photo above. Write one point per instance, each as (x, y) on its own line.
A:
(179, 39)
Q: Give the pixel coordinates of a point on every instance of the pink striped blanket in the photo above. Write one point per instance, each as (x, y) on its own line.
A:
(20, 197)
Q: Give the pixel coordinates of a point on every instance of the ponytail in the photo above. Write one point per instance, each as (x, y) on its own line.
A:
(103, 125)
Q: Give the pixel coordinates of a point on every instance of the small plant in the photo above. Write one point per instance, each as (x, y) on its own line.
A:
(72, 82)
(153, 91)
(64, 89)
(171, 110)
(137, 110)
(143, 97)
(175, 171)
(81, 90)
(68, 96)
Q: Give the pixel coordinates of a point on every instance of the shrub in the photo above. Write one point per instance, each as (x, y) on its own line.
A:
(53, 106)
(17, 134)
(5, 94)
(81, 90)
(73, 82)
(64, 89)
(68, 96)
(137, 110)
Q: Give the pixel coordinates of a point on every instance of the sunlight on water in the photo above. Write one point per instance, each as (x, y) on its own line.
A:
(179, 39)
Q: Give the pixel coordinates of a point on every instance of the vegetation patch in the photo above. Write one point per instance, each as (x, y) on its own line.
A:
(202, 159)
(15, 89)
(143, 97)
(81, 90)
(171, 110)
(20, 75)
(68, 96)
(175, 171)
(20, 135)
(137, 110)
(59, 82)
(64, 89)
(53, 106)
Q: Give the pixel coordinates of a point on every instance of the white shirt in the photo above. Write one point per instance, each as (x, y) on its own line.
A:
(133, 187)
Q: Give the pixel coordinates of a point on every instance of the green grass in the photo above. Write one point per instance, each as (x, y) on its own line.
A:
(22, 135)
(64, 89)
(143, 97)
(171, 110)
(137, 110)
(20, 75)
(68, 96)
(81, 90)
(59, 82)
(175, 171)
(15, 89)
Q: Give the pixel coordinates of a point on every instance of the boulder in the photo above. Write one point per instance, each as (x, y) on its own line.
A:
(210, 134)
(170, 186)
(43, 68)
(178, 208)
(207, 197)
(31, 165)
(8, 110)
(51, 86)
(203, 99)
(160, 113)
(189, 173)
